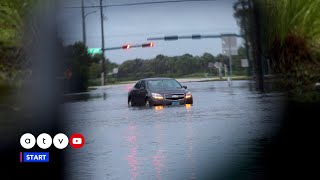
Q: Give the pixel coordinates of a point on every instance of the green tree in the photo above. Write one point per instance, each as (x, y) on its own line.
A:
(78, 61)
(12, 51)
(96, 68)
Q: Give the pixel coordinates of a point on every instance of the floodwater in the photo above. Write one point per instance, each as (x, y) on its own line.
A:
(221, 136)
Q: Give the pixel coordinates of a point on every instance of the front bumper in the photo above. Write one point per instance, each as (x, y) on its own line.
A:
(166, 102)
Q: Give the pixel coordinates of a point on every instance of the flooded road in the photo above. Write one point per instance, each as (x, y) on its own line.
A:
(220, 136)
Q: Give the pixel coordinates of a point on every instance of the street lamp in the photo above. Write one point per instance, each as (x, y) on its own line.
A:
(84, 23)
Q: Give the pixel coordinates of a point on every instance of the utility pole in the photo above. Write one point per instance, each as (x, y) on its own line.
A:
(83, 23)
(246, 36)
(102, 41)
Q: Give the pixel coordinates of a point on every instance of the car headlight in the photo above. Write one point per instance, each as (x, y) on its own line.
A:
(157, 96)
(188, 95)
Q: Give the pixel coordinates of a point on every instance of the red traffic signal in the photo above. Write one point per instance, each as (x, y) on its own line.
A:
(127, 46)
(148, 44)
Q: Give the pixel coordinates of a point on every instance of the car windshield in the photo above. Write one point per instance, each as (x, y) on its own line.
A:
(164, 84)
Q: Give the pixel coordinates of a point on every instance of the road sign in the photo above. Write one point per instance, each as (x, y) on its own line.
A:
(94, 50)
(244, 63)
(230, 52)
(229, 42)
(229, 45)
(211, 65)
(217, 64)
(115, 70)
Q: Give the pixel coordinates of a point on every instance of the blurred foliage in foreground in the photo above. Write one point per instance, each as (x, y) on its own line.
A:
(290, 38)
(13, 59)
(18, 34)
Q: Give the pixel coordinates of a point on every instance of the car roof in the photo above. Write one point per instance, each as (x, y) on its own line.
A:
(157, 78)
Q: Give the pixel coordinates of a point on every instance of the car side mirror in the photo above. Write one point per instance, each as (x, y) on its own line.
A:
(185, 87)
(142, 87)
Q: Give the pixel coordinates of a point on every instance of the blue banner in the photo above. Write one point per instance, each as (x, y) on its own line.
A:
(36, 157)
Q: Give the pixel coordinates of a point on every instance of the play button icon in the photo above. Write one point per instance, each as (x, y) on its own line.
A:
(77, 140)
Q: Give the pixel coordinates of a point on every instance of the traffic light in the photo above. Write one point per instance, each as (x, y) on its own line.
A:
(170, 38)
(148, 44)
(127, 46)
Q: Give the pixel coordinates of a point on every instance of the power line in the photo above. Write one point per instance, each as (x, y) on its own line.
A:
(142, 3)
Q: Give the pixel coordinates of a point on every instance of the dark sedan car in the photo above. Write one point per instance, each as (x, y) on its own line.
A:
(159, 91)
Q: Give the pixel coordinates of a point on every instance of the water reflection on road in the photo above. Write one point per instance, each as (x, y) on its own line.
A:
(132, 156)
(221, 133)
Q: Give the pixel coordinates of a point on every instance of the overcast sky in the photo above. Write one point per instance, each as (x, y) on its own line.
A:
(134, 24)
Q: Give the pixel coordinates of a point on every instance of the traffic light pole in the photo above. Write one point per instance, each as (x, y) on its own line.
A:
(128, 46)
(198, 36)
(194, 36)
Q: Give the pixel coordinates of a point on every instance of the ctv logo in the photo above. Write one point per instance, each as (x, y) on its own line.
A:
(44, 141)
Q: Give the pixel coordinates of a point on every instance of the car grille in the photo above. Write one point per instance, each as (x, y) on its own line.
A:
(174, 96)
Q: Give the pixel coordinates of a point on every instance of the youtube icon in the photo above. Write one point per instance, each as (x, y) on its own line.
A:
(76, 140)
